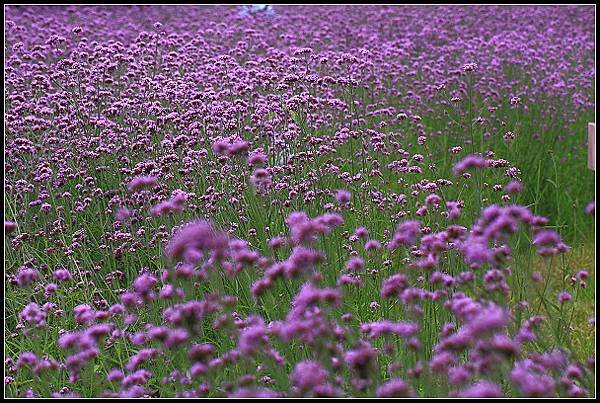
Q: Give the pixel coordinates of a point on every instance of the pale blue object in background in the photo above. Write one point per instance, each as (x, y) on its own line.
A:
(257, 8)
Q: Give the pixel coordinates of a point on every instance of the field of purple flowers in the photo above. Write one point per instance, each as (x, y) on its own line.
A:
(301, 201)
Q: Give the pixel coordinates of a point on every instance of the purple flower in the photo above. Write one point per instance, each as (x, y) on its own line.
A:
(470, 161)
(26, 276)
(115, 375)
(62, 275)
(302, 260)
(197, 237)
(143, 285)
(395, 388)
(342, 196)
(276, 242)
(9, 226)
(376, 329)
(433, 200)
(254, 392)
(394, 285)
(361, 358)
(175, 205)
(458, 375)
(309, 296)
(198, 369)
(307, 375)
(253, 337)
(33, 314)
(361, 232)
(482, 389)
(531, 380)
(257, 158)
(488, 320)
(582, 274)
(139, 377)
(372, 244)
(513, 186)
(83, 313)
(122, 214)
(176, 337)
(322, 110)
(453, 210)
(589, 209)
(564, 296)
(141, 357)
(548, 243)
(441, 361)
(468, 67)
(200, 352)
(349, 279)
(50, 289)
(141, 182)
(476, 252)
(406, 234)
(26, 358)
(261, 178)
(355, 263)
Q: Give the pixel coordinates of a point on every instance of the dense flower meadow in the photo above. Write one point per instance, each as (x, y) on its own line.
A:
(298, 201)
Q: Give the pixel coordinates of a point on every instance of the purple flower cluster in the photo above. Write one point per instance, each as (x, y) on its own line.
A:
(306, 201)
